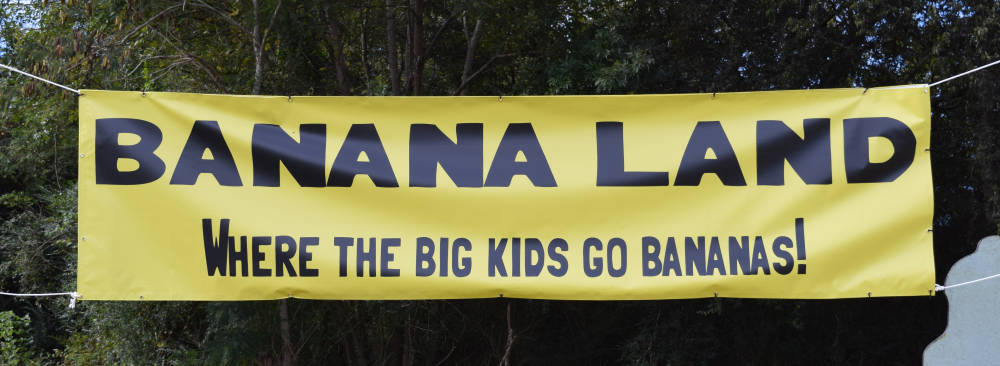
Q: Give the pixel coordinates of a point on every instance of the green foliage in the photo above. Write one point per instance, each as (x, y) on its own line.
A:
(15, 345)
(524, 47)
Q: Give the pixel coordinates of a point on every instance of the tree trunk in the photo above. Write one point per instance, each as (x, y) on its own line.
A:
(287, 352)
(258, 44)
(472, 41)
(365, 67)
(335, 31)
(408, 51)
(356, 340)
(408, 343)
(258, 50)
(418, 45)
(390, 29)
(505, 360)
(348, 359)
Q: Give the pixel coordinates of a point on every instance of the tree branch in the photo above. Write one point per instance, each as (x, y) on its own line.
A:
(434, 39)
(486, 65)
(150, 20)
(216, 79)
(270, 24)
(223, 15)
(505, 361)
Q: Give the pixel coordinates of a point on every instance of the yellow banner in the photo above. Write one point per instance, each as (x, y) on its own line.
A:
(784, 194)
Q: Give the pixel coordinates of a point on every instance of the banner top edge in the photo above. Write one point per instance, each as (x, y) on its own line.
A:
(861, 90)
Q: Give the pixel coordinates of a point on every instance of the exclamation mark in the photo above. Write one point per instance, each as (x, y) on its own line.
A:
(800, 238)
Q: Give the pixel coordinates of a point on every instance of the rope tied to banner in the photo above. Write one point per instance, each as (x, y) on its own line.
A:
(75, 91)
(942, 288)
(994, 63)
(72, 296)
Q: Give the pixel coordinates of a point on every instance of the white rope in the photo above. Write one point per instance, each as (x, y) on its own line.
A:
(942, 288)
(72, 296)
(77, 92)
(994, 63)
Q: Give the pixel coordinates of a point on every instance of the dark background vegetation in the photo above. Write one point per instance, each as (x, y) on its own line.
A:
(498, 47)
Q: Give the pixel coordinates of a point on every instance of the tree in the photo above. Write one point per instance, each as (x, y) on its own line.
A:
(461, 47)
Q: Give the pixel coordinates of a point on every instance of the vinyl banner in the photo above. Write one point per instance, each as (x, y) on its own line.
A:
(801, 194)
